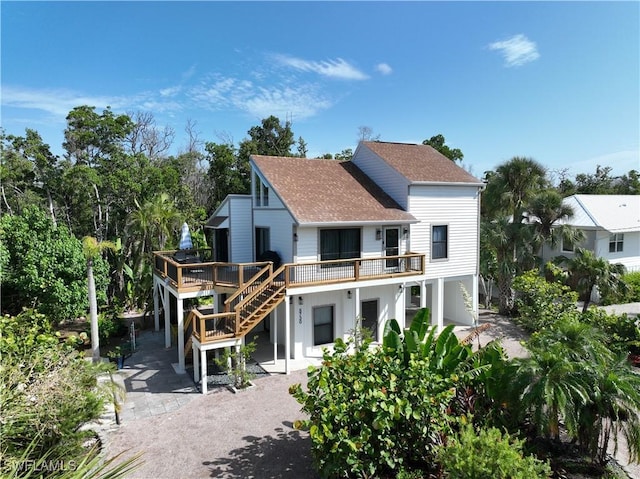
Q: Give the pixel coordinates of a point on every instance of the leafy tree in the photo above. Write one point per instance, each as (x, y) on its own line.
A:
(344, 155)
(587, 271)
(437, 142)
(225, 174)
(46, 267)
(92, 249)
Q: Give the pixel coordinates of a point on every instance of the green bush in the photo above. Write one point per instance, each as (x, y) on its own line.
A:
(631, 295)
(110, 325)
(48, 391)
(382, 412)
(540, 302)
(622, 333)
(488, 454)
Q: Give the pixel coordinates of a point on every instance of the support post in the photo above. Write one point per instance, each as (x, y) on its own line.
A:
(167, 318)
(438, 304)
(196, 363)
(180, 314)
(203, 375)
(156, 305)
(287, 335)
(274, 331)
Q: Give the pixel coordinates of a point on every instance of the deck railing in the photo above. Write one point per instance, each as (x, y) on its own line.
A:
(201, 273)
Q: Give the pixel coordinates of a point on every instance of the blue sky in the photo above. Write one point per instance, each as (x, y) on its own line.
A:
(559, 82)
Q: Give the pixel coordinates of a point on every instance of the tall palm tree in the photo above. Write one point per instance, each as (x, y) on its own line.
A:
(546, 213)
(92, 248)
(587, 271)
(509, 190)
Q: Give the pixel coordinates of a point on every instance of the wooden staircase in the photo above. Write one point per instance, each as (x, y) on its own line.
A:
(249, 305)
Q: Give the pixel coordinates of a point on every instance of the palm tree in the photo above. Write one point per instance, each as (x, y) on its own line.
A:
(92, 248)
(546, 212)
(509, 190)
(587, 271)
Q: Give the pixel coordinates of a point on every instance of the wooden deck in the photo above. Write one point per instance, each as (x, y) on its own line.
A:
(199, 273)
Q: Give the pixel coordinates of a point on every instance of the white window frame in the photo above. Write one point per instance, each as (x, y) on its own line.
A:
(616, 243)
(447, 242)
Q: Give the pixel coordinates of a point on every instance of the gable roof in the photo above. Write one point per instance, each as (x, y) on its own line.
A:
(328, 191)
(614, 213)
(420, 163)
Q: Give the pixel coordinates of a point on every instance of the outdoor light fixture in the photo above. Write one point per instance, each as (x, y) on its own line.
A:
(405, 232)
(300, 300)
(378, 234)
(295, 236)
(401, 287)
(349, 294)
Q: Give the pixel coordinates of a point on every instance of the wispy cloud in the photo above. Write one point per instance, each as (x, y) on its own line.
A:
(259, 100)
(337, 68)
(59, 102)
(384, 68)
(516, 50)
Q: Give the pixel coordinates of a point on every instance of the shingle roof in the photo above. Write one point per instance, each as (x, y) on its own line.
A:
(614, 213)
(328, 191)
(420, 163)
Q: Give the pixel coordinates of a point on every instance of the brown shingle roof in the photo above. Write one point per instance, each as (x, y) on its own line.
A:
(328, 191)
(420, 163)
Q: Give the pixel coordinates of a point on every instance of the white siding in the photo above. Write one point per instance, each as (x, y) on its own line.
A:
(392, 182)
(280, 224)
(630, 254)
(457, 207)
(241, 243)
(307, 245)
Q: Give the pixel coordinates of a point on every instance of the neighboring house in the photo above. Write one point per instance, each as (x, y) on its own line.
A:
(611, 224)
(348, 240)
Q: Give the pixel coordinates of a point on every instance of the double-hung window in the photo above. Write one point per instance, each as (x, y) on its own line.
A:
(439, 242)
(616, 243)
(339, 244)
(323, 325)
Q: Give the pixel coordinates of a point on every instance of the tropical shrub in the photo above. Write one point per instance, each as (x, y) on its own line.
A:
(630, 294)
(621, 333)
(488, 454)
(379, 412)
(110, 325)
(48, 391)
(540, 302)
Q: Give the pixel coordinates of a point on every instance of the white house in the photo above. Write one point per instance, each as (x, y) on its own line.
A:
(350, 239)
(611, 224)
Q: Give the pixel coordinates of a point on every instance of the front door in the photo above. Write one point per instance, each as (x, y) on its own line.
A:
(391, 246)
(369, 311)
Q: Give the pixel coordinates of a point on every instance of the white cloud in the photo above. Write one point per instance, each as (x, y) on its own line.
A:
(384, 68)
(330, 68)
(300, 101)
(516, 50)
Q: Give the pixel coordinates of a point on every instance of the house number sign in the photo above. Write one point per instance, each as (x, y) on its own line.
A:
(300, 316)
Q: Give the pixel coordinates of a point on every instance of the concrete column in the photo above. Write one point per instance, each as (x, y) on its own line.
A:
(180, 314)
(423, 294)
(357, 307)
(437, 313)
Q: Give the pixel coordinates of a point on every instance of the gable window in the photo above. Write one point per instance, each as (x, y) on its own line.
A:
(616, 242)
(323, 325)
(260, 192)
(439, 242)
(339, 244)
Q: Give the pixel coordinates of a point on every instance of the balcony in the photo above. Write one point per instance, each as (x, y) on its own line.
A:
(194, 270)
